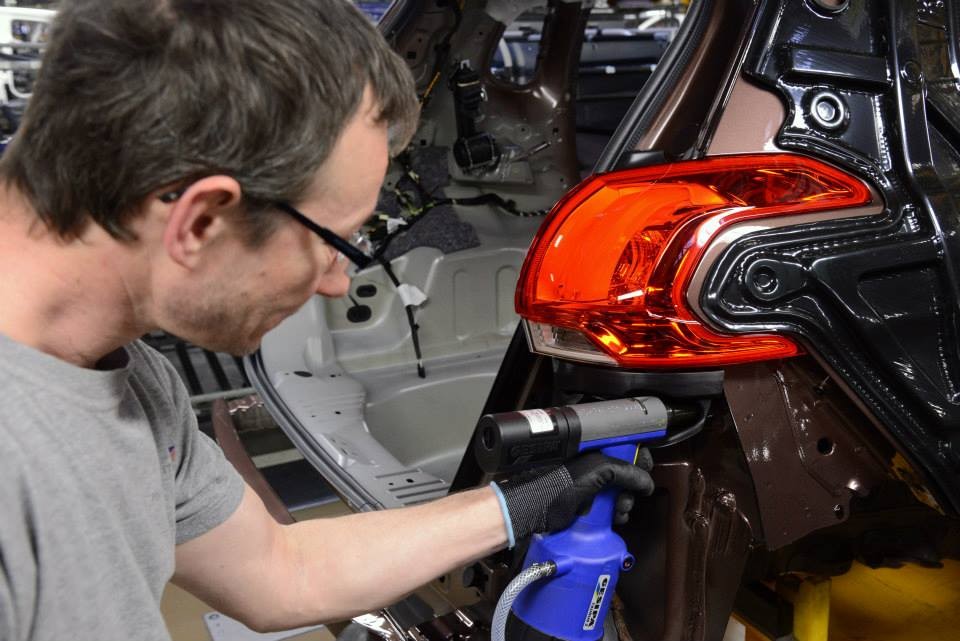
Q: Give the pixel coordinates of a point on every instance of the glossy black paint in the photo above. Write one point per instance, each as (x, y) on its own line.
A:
(875, 299)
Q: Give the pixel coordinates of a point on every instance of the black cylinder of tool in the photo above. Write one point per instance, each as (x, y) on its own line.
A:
(513, 441)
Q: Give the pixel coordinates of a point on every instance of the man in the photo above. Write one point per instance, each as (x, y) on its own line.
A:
(149, 187)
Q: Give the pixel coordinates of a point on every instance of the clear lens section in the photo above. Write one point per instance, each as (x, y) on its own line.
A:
(563, 342)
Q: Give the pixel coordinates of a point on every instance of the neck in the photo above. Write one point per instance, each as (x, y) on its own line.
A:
(69, 298)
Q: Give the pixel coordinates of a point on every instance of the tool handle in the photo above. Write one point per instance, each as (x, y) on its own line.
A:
(572, 605)
(605, 502)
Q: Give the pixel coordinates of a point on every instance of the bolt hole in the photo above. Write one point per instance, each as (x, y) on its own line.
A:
(825, 446)
(337, 412)
(367, 291)
(489, 438)
(409, 480)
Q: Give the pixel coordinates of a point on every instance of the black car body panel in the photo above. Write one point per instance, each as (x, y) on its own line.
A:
(875, 299)
(798, 455)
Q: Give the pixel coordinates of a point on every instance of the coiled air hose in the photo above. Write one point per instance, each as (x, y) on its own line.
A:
(533, 573)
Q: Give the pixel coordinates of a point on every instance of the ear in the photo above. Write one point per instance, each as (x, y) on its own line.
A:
(199, 217)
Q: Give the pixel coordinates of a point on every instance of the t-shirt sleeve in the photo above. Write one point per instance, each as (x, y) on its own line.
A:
(207, 488)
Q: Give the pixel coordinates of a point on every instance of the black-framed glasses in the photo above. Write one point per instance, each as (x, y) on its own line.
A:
(346, 249)
(350, 251)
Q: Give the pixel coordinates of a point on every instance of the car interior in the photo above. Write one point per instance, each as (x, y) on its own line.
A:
(385, 385)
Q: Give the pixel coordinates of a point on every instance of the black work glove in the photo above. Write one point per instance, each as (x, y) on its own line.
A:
(551, 500)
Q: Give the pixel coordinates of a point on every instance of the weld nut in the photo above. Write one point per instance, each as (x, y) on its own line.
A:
(828, 111)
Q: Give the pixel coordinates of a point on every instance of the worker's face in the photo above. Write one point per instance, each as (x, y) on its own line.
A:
(256, 288)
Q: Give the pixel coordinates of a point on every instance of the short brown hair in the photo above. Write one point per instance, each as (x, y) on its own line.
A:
(135, 95)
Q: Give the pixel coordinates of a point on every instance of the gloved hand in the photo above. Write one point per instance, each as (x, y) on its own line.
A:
(550, 500)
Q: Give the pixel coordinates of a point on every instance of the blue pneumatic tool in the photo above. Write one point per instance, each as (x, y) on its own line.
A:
(568, 578)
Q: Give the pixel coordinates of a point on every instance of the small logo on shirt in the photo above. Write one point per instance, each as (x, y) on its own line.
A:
(172, 453)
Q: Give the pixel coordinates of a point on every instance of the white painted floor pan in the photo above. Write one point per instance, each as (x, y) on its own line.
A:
(349, 396)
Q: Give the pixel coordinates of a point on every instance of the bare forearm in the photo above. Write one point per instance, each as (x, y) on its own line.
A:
(357, 563)
(273, 577)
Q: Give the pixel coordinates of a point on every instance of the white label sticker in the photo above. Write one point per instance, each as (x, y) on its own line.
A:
(593, 612)
(539, 421)
(393, 224)
(411, 295)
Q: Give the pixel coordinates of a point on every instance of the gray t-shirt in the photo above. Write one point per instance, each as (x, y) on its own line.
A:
(102, 472)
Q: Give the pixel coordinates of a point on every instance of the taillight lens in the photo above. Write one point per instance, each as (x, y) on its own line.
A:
(607, 274)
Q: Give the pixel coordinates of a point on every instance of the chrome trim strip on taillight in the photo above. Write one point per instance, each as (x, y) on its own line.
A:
(739, 133)
(728, 236)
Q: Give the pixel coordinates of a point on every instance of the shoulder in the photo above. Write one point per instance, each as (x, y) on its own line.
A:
(154, 371)
(159, 388)
(145, 360)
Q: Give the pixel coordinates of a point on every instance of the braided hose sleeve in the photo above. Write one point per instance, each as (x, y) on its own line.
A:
(533, 573)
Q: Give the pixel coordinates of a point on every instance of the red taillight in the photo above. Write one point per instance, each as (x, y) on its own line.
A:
(607, 274)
